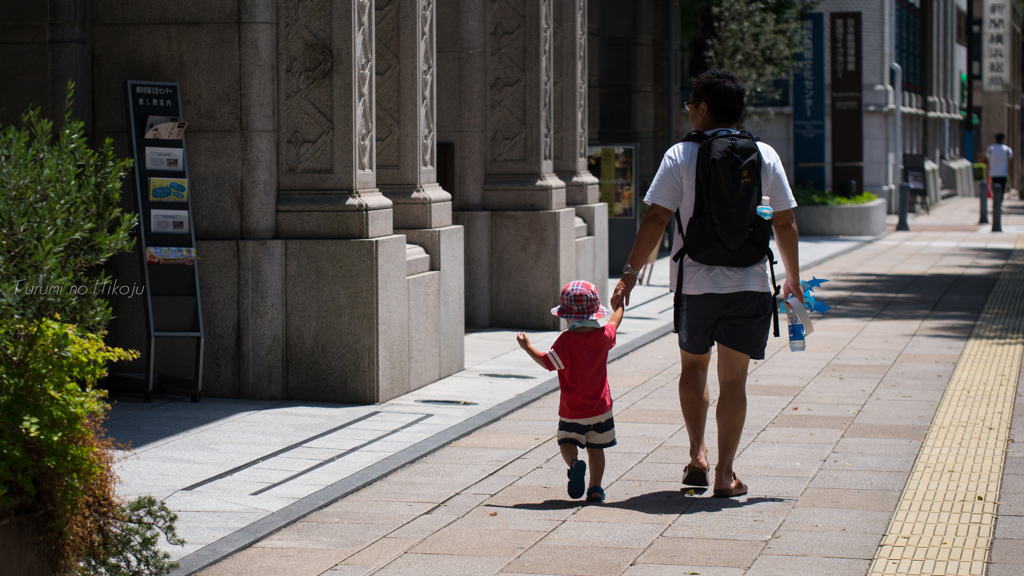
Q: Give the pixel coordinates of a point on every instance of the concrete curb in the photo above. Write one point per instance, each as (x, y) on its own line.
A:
(245, 537)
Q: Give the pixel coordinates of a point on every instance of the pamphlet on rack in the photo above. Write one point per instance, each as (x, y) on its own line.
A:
(169, 221)
(164, 128)
(168, 190)
(164, 159)
(162, 255)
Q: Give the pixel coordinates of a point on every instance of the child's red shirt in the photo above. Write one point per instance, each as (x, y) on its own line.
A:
(581, 359)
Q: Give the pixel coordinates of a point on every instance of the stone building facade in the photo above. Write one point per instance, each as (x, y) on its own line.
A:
(333, 264)
(931, 123)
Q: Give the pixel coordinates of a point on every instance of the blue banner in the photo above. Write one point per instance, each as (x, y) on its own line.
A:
(809, 106)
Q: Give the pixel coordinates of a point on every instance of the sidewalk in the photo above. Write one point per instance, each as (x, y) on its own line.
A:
(237, 470)
(832, 436)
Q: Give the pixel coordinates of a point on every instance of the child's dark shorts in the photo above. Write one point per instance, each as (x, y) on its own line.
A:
(596, 432)
(736, 320)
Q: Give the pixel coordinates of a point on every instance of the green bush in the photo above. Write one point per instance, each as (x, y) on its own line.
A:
(59, 222)
(813, 197)
(979, 171)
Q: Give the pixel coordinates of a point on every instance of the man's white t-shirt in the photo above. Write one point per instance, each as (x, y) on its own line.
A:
(999, 156)
(674, 187)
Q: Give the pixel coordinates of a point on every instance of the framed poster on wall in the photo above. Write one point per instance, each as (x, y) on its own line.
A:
(614, 165)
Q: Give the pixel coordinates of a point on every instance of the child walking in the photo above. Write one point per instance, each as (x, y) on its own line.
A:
(580, 355)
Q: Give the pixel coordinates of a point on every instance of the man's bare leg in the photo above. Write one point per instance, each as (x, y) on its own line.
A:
(732, 411)
(694, 399)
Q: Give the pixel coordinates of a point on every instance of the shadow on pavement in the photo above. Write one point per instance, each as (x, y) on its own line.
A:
(660, 502)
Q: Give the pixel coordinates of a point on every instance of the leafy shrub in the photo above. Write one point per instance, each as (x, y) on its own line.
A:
(979, 171)
(813, 197)
(128, 544)
(59, 221)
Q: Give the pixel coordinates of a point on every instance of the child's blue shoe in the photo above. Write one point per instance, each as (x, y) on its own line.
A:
(595, 494)
(577, 473)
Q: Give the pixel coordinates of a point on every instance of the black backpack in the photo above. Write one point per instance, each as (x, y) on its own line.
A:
(725, 229)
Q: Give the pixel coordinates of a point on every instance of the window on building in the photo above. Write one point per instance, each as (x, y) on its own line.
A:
(961, 26)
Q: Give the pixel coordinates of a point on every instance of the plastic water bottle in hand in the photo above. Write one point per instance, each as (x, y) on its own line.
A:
(797, 343)
(764, 210)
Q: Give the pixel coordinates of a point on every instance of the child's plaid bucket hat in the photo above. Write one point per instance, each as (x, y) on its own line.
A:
(579, 301)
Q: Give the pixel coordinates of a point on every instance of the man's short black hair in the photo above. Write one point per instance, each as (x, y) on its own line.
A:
(722, 92)
(999, 137)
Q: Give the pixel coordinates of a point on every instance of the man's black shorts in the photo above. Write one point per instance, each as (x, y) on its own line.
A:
(737, 320)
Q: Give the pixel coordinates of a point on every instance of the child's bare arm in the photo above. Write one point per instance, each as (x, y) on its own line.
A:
(616, 317)
(524, 343)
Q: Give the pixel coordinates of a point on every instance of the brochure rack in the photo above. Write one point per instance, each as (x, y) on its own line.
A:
(163, 200)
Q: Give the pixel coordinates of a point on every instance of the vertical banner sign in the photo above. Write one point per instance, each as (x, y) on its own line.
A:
(847, 103)
(809, 105)
(995, 46)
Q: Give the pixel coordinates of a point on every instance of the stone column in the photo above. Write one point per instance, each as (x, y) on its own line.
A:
(407, 175)
(570, 105)
(406, 114)
(346, 316)
(532, 233)
(258, 86)
(571, 137)
(326, 153)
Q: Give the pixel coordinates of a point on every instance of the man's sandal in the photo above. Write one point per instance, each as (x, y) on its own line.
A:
(595, 494)
(695, 475)
(738, 489)
(577, 473)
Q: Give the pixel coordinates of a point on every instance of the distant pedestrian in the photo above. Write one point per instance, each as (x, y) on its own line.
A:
(580, 355)
(997, 162)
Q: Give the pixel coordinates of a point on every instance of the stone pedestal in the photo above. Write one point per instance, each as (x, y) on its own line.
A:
(537, 257)
(261, 319)
(347, 319)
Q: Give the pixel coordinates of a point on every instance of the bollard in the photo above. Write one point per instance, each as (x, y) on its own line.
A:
(997, 207)
(983, 197)
(904, 207)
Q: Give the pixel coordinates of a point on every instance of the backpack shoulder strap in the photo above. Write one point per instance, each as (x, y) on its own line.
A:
(695, 136)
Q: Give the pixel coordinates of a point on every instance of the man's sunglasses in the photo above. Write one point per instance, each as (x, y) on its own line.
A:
(686, 105)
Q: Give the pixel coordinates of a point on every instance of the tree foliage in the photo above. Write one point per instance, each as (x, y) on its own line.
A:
(59, 221)
(754, 39)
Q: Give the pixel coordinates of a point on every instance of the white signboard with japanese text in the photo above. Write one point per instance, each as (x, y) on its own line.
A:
(995, 45)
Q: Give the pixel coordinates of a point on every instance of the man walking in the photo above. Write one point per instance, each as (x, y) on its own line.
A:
(730, 306)
(997, 163)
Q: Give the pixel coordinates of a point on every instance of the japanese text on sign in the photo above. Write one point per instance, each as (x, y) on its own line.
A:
(995, 38)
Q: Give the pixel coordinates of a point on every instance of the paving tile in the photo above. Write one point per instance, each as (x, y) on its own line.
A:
(671, 570)
(845, 499)
(649, 416)
(1006, 551)
(381, 551)
(457, 541)
(1011, 504)
(878, 446)
(808, 519)
(712, 526)
(1004, 569)
(881, 462)
(828, 544)
(441, 565)
(694, 552)
(1011, 527)
(807, 421)
(800, 435)
(277, 562)
(504, 440)
(573, 560)
(421, 527)
(605, 534)
(350, 511)
(771, 565)
(888, 431)
(326, 536)
(349, 570)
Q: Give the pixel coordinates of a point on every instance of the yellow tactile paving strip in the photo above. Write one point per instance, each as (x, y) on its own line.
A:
(945, 517)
